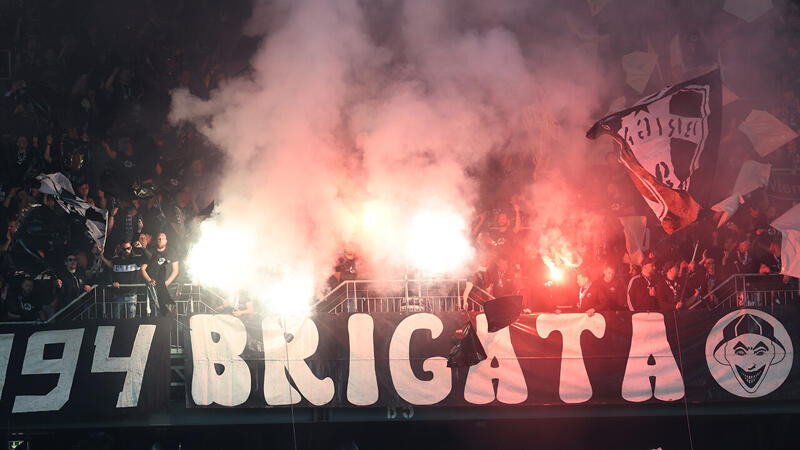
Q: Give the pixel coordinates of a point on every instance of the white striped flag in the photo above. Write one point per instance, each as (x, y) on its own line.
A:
(94, 219)
(669, 143)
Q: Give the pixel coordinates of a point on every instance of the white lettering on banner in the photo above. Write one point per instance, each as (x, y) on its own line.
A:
(511, 386)
(408, 386)
(362, 382)
(133, 366)
(573, 385)
(220, 375)
(649, 342)
(125, 268)
(282, 358)
(6, 341)
(64, 367)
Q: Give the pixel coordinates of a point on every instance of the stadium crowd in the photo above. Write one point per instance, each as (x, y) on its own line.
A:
(89, 99)
(599, 270)
(86, 93)
(666, 272)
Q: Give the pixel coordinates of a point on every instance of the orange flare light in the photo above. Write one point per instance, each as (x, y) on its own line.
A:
(556, 274)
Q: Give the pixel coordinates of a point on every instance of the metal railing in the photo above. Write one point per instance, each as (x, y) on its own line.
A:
(411, 295)
(109, 302)
(744, 290)
(76, 303)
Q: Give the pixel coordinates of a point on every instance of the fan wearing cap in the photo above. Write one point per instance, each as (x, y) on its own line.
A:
(642, 289)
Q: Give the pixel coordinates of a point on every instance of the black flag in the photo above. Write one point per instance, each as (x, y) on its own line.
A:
(468, 349)
(502, 312)
(670, 142)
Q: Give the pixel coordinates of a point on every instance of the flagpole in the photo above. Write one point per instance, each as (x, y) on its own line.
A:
(686, 277)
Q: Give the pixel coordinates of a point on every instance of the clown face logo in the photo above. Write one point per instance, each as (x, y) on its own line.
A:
(749, 353)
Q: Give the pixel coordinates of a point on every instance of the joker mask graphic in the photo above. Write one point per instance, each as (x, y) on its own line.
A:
(749, 355)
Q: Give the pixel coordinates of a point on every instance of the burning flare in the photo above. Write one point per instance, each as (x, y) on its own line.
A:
(559, 260)
(227, 257)
(556, 274)
(436, 242)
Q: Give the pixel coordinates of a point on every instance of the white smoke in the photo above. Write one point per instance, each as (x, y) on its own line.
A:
(357, 124)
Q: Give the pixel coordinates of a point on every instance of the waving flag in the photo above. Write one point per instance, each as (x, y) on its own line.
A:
(669, 143)
(789, 226)
(753, 175)
(748, 10)
(637, 240)
(766, 132)
(94, 219)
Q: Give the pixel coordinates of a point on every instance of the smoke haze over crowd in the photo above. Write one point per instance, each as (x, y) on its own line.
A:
(362, 124)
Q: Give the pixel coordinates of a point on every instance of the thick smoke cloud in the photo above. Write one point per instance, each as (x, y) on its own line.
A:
(379, 110)
(362, 123)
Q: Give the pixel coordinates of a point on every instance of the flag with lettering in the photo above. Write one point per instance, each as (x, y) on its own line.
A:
(669, 144)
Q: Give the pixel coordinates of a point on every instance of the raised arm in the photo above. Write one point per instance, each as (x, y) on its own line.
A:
(47, 150)
(477, 228)
(111, 153)
(465, 295)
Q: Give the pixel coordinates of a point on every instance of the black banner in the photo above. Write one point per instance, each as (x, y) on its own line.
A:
(547, 359)
(80, 370)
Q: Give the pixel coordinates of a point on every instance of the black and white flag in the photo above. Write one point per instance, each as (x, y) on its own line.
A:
(94, 218)
(670, 142)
